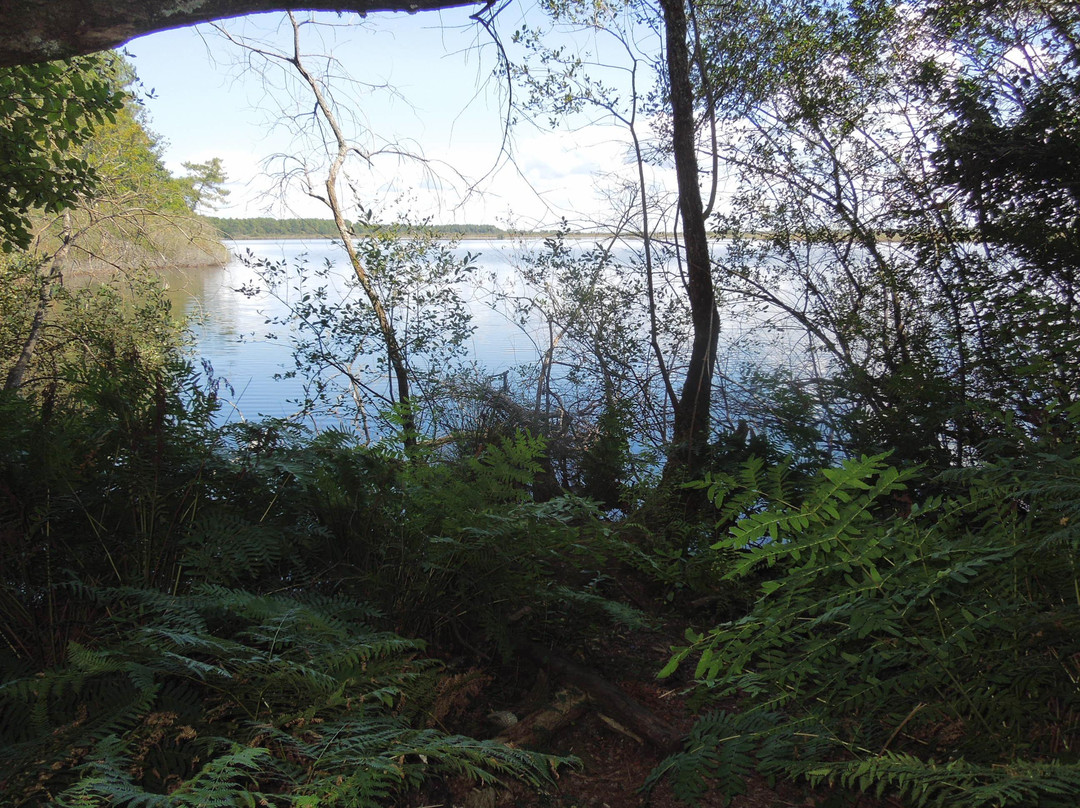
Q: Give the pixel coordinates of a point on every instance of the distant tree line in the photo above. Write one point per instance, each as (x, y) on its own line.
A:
(266, 227)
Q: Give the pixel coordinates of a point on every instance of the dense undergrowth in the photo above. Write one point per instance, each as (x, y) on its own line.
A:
(217, 616)
(874, 539)
(196, 615)
(922, 650)
(222, 697)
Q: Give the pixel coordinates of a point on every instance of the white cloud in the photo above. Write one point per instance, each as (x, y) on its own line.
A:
(548, 174)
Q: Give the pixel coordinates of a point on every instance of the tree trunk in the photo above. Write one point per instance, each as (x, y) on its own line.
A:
(692, 415)
(608, 697)
(49, 282)
(394, 352)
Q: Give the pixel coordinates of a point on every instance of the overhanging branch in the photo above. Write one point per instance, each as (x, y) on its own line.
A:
(40, 30)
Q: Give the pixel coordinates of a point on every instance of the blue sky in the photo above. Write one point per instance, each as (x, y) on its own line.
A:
(433, 90)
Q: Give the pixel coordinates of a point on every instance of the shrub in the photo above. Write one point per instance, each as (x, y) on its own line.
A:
(931, 654)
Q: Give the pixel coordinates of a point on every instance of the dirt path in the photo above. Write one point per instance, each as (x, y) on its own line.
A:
(615, 760)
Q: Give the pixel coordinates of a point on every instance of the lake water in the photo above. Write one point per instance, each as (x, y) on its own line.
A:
(231, 332)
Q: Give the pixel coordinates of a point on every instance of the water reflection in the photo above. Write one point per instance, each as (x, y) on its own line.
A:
(231, 331)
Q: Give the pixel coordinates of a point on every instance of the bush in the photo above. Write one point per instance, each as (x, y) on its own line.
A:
(447, 549)
(929, 651)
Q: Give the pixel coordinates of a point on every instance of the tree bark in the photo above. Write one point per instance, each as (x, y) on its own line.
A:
(394, 352)
(537, 728)
(692, 415)
(41, 30)
(51, 280)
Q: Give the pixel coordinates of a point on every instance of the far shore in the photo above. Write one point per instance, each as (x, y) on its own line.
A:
(883, 238)
(468, 237)
(504, 236)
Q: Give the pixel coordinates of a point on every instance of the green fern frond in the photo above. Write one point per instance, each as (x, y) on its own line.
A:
(922, 784)
(223, 782)
(722, 750)
(513, 460)
(619, 613)
(211, 698)
(225, 547)
(943, 634)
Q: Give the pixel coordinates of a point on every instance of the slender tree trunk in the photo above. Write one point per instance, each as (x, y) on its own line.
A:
(692, 415)
(37, 326)
(650, 285)
(395, 354)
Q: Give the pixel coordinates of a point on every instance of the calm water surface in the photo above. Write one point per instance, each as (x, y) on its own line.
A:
(231, 332)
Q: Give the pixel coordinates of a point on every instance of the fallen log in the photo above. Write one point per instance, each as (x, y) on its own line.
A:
(609, 698)
(536, 728)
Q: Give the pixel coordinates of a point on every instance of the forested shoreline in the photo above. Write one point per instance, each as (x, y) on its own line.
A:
(794, 521)
(271, 228)
(84, 182)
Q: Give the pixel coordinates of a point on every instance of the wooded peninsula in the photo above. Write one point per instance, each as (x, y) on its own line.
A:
(266, 227)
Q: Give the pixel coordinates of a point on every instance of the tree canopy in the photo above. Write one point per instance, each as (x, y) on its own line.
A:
(47, 113)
